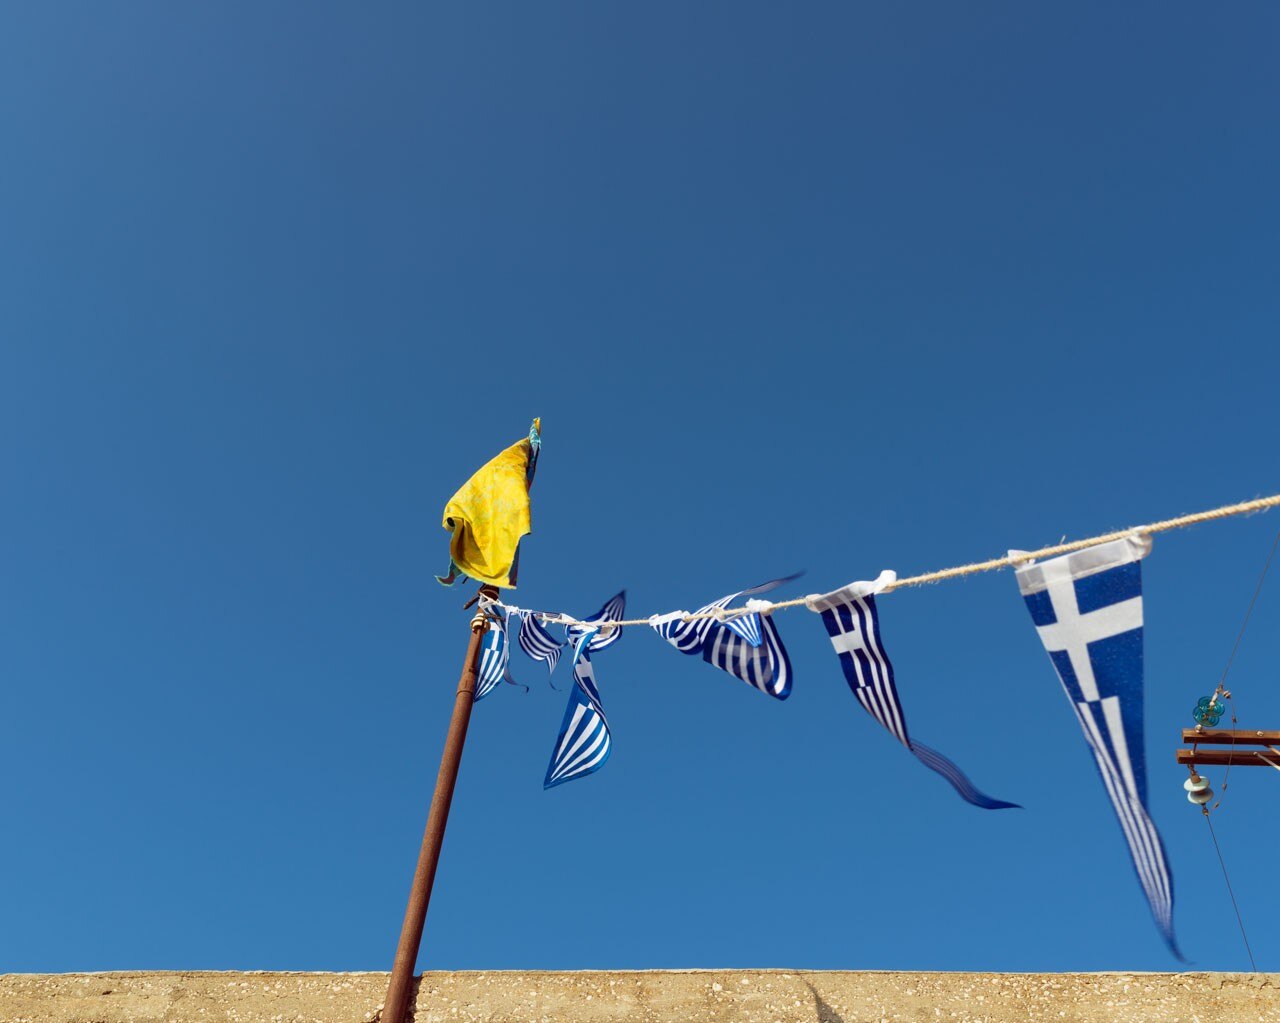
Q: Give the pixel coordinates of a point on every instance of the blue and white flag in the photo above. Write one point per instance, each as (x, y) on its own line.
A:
(584, 741)
(538, 643)
(746, 646)
(536, 640)
(1087, 608)
(603, 636)
(495, 656)
(853, 623)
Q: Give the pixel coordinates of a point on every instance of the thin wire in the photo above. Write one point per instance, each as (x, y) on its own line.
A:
(1234, 905)
(1231, 756)
(1235, 739)
(1257, 589)
(1243, 508)
(1222, 685)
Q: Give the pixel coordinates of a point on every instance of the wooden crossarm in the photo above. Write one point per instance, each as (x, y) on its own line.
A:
(1240, 756)
(1230, 737)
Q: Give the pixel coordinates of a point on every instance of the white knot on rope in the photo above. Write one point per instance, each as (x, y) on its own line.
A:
(759, 607)
(571, 622)
(494, 609)
(730, 614)
(882, 583)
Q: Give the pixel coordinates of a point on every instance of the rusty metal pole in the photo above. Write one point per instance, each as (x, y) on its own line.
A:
(415, 914)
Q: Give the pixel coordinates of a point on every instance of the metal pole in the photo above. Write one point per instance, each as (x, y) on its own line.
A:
(415, 914)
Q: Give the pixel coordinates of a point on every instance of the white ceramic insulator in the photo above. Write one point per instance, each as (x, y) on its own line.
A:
(1200, 796)
(1196, 784)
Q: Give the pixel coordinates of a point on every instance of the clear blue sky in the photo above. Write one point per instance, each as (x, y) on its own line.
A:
(840, 287)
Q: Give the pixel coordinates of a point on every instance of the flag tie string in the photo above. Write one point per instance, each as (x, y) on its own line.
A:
(721, 614)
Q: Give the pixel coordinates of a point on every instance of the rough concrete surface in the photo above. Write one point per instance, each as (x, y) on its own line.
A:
(694, 996)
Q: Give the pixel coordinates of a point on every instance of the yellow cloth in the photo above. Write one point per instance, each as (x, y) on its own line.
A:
(489, 515)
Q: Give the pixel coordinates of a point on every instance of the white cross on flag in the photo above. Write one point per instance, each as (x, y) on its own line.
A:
(1087, 608)
(853, 623)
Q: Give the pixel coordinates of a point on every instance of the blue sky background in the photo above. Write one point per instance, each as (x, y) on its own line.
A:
(839, 287)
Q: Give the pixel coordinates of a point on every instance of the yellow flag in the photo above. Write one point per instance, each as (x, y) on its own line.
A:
(490, 514)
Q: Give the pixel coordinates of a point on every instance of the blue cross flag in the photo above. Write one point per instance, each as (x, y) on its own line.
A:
(1087, 608)
(853, 623)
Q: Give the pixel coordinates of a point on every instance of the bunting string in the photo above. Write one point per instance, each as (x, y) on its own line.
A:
(1084, 598)
(722, 614)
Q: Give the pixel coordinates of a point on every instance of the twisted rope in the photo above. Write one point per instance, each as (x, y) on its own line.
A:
(764, 607)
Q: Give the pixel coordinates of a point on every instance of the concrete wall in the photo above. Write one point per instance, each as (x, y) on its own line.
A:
(701, 996)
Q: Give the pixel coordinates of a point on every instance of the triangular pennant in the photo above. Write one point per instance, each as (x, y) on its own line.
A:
(614, 610)
(584, 741)
(538, 643)
(853, 623)
(747, 647)
(1087, 608)
(495, 657)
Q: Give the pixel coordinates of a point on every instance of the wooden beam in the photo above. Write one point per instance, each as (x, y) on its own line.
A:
(1239, 757)
(1228, 736)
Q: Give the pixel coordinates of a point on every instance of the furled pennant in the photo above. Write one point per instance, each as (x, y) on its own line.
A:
(489, 515)
(538, 643)
(747, 646)
(495, 654)
(535, 638)
(853, 623)
(584, 741)
(1087, 608)
(613, 611)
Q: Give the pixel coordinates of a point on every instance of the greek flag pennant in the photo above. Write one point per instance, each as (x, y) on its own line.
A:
(536, 641)
(1087, 608)
(853, 623)
(747, 646)
(495, 655)
(598, 624)
(584, 741)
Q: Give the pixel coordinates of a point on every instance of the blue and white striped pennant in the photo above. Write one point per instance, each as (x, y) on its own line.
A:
(747, 647)
(853, 623)
(747, 626)
(764, 666)
(1087, 608)
(614, 610)
(538, 643)
(495, 656)
(584, 741)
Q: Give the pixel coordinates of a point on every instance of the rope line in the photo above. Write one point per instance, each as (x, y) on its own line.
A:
(763, 607)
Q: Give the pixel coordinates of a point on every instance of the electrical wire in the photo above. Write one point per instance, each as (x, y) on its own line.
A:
(1227, 879)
